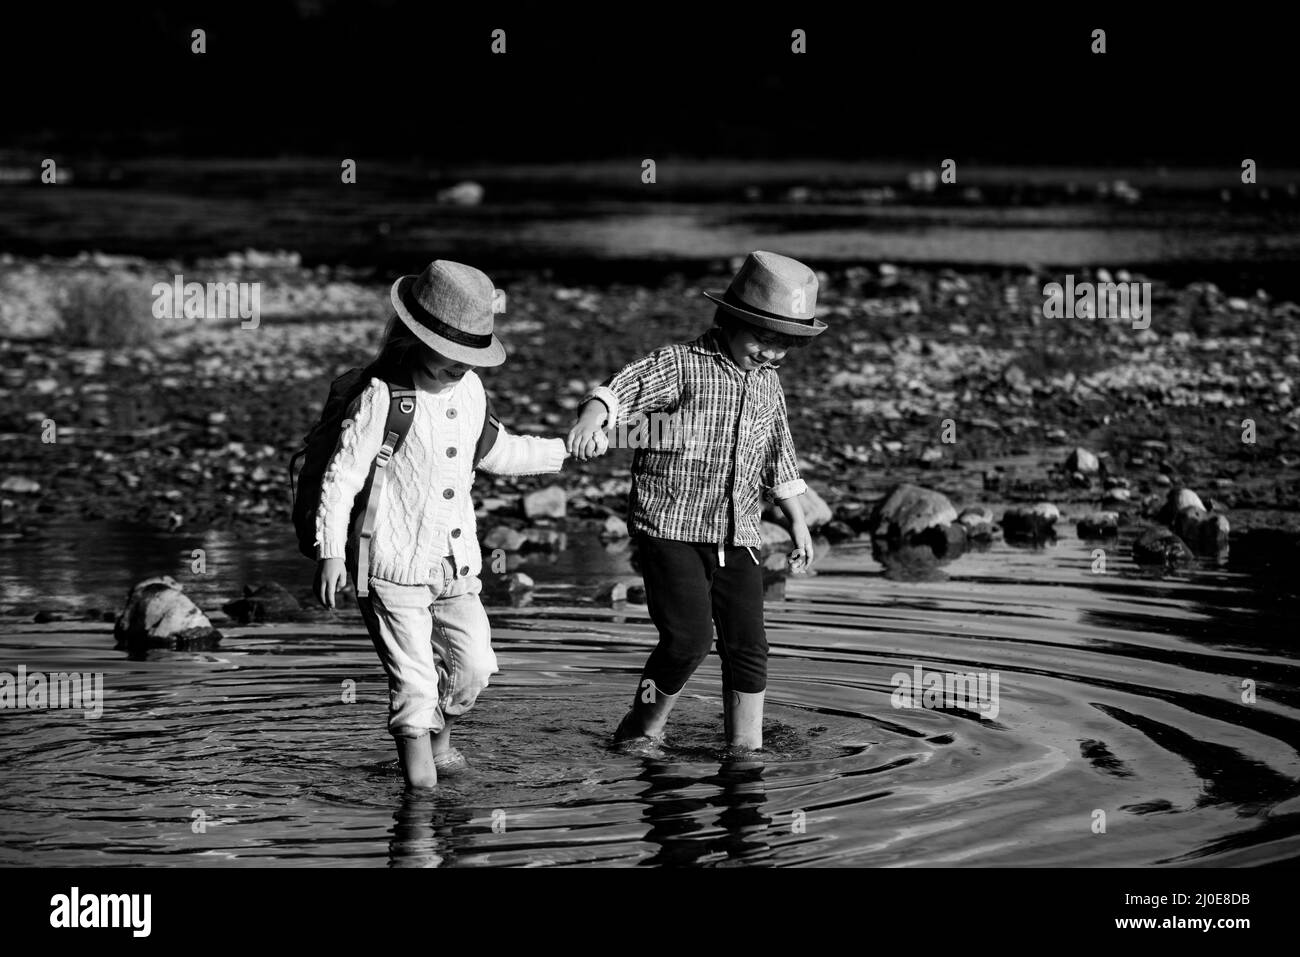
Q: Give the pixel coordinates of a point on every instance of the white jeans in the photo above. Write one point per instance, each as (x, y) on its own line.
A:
(436, 647)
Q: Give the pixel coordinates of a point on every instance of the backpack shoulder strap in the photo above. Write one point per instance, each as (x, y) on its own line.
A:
(487, 436)
(401, 413)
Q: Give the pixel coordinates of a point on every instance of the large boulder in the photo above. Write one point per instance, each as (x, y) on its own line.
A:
(908, 511)
(158, 614)
(1160, 546)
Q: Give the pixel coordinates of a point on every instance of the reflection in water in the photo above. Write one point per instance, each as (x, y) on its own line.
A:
(1168, 701)
(679, 826)
(423, 835)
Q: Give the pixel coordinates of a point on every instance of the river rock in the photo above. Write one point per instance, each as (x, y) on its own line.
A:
(1205, 532)
(837, 531)
(1032, 523)
(546, 540)
(1098, 525)
(775, 538)
(270, 602)
(48, 616)
(519, 589)
(20, 485)
(158, 614)
(977, 520)
(1160, 546)
(1117, 496)
(1081, 460)
(549, 502)
(505, 537)
(612, 595)
(614, 528)
(816, 512)
(909, 510)
(1175, 501)
(467, 193)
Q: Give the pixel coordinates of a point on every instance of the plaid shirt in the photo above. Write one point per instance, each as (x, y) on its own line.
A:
(729, 442)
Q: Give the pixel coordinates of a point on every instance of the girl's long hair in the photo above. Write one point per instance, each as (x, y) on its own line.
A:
(398, 354)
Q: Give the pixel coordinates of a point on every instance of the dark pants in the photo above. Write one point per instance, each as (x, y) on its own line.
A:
(688, 594)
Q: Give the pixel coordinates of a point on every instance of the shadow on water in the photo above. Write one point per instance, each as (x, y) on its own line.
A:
(1164, 706)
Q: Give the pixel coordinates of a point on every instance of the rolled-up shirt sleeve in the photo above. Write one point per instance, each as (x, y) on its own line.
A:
(781, 466)
(648, 384)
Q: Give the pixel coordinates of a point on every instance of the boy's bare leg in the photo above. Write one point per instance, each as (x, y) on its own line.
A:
(416, 757)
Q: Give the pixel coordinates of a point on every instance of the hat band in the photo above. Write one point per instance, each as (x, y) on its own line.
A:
(437, 326)
(731, 299)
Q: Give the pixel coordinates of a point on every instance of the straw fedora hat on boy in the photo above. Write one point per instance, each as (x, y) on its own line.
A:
(449, 308)
(774, 292)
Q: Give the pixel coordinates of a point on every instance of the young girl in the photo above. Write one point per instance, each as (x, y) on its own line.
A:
(422, 608)
(695, 501)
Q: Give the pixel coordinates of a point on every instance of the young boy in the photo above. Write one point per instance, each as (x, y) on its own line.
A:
(695, 501)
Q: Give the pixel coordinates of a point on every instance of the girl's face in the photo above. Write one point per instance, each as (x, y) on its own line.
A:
(753, 348)
(434, 372)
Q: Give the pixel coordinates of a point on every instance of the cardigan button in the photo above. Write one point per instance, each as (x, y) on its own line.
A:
(464, 569)
(451, 413)
(451, 453)
(455, 533)
(448, 493)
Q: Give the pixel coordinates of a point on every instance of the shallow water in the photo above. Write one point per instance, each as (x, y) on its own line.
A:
(1118, 693)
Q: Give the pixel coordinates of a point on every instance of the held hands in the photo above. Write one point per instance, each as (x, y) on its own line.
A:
(801, 557)
(331, 576)
(587, 439)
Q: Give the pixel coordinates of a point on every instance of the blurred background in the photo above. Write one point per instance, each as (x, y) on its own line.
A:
(227, 165)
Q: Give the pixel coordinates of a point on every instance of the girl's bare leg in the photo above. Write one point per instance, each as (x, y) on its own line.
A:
(441, 742)
(416, 755)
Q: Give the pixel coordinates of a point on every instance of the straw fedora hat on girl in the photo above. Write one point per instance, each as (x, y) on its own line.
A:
(449, 308)
(774, 292)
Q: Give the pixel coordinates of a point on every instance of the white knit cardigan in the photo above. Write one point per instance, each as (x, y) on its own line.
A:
(426, 511)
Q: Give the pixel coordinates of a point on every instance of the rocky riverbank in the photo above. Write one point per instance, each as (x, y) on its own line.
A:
(953, 380)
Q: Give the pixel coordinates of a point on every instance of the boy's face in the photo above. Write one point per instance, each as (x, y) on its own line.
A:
(434, 372)
(752, 348)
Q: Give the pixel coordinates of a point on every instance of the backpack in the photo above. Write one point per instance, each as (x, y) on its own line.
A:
(321, 442)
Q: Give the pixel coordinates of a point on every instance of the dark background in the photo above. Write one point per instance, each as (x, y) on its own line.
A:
(417, 80)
